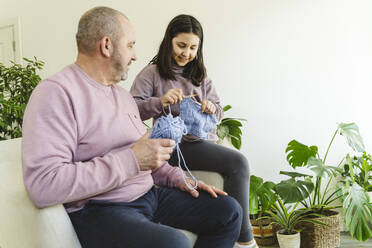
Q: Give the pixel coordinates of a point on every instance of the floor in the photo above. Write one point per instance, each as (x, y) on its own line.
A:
(346, 242)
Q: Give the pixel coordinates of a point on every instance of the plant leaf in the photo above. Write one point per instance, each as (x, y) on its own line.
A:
(261, 195)
(294, 174)
(227, 107)
(351, 132)
(298, 154)
(319, 168)
(222, 131)
(294, 191)
(358, 213)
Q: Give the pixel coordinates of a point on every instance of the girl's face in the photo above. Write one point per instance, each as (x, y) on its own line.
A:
(185, 47)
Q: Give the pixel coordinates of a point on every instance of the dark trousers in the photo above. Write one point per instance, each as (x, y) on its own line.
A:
(150, 221)
(231, 164)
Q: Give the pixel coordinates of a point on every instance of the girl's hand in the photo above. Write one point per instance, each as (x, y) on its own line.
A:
(172, 96)
(208, 107)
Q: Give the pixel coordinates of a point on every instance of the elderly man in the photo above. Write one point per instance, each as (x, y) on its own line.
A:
(84, 146)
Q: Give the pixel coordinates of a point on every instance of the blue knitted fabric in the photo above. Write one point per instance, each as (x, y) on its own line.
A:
(169, 127)
(197, 123)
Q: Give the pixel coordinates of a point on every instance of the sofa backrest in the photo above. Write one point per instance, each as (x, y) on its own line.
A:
(21, 223)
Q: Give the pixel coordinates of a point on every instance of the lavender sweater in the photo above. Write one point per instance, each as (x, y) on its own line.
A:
(76, 143)
(149, 87)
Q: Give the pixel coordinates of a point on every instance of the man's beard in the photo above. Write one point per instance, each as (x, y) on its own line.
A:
(119, 69)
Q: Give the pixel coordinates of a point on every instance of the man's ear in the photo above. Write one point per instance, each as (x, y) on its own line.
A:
(105, 46)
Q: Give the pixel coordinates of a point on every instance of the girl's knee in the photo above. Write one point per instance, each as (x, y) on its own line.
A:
(239, 165)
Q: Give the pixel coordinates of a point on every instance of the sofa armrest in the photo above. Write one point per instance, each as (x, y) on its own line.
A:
(212, 178)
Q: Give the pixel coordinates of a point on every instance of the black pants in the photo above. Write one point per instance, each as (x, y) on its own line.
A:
(231, 164)
(150, 221)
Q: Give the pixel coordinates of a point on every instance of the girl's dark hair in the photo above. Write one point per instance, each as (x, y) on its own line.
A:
(194, 70)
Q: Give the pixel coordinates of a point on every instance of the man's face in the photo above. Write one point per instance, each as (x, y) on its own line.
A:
(124, 52)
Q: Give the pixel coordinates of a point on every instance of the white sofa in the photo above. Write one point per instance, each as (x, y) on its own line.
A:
(23, 225)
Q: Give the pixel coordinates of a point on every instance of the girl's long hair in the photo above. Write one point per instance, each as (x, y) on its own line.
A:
(195, 69)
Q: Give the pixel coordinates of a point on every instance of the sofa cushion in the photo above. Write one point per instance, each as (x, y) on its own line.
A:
(21, 223)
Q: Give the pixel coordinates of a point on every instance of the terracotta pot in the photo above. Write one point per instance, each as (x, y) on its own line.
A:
(289, 240)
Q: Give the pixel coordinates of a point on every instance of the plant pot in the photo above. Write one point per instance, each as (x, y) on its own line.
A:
(263, 232)
(289, 240)
(318, 236)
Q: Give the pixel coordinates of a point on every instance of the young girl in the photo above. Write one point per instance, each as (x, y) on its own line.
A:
(176, 72)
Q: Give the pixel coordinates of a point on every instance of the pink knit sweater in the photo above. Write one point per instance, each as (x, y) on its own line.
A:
(76, 144)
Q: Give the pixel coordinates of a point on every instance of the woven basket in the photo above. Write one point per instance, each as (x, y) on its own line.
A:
(263, 232)
(319, 236)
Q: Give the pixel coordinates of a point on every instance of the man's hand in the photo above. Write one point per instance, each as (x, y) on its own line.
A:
(152, 153)
(208, 107)
(171, 97)
(213, 191)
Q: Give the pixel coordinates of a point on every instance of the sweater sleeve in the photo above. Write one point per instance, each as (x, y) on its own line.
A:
(142, 91)
(49, 144)
(211, 95)
(167, 175)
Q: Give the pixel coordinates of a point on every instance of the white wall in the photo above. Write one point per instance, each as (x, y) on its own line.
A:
(293, 68)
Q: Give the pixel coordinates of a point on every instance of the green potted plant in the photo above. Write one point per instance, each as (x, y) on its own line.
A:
(356, 188)
(16, 84)
(230, 129)
(321, 198)
(287, 220)
(261, 197)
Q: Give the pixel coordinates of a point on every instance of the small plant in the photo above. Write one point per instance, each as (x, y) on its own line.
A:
(230, 128)
(16, 84)
(287, 218)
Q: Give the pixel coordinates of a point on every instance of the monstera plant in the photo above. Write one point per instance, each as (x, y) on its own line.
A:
(316, 188)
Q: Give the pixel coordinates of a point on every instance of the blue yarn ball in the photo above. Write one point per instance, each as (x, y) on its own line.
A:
(169, 127)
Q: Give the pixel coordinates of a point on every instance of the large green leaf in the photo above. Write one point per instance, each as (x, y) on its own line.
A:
(351, 132)
(292, 190)
(298, 154)
(320, 169)
(236, 136)
(232, 122)
(358, 212)
(261, 195)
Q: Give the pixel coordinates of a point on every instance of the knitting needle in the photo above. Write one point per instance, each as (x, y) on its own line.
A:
(190, 96)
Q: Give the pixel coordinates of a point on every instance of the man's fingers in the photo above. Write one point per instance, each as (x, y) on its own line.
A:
(167, 142)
